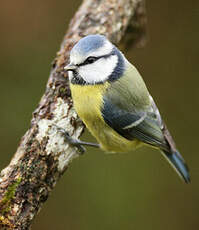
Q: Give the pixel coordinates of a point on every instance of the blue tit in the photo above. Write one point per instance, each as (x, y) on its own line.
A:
(112, 100)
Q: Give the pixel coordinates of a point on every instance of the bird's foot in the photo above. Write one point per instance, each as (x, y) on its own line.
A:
(76, 142)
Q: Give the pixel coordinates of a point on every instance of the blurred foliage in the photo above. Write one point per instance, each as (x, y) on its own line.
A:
(104, 191)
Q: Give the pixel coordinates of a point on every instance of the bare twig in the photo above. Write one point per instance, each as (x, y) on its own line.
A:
(43, 156)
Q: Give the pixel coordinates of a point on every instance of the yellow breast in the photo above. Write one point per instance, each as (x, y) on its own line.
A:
(88, 101)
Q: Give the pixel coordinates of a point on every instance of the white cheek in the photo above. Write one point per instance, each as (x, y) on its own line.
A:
(70, 75)
(98, 71)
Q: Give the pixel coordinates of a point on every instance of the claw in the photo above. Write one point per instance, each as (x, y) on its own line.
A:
(75, 142)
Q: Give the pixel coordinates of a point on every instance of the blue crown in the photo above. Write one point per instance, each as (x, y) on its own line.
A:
(89, 43)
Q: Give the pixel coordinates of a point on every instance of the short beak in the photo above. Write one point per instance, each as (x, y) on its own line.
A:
(70, 67)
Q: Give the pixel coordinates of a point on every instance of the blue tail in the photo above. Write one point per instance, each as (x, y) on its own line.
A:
(178, 163)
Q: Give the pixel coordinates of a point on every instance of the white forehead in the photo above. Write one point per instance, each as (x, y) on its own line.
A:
(77, 56)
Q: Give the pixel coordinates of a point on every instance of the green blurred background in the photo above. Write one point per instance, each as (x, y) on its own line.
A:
(99, 191)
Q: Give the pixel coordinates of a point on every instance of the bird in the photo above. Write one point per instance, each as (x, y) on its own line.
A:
(112, 100)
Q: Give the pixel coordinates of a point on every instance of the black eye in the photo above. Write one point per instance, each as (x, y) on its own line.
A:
(90, 60)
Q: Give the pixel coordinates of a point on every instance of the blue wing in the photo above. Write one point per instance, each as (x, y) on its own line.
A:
(143, 126)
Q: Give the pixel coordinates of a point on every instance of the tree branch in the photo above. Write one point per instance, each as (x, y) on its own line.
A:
(43, 156)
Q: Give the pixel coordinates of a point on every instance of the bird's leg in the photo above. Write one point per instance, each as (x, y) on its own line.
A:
(76, 142)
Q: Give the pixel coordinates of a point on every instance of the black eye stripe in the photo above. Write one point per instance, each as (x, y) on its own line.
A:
(86, 62)
(90, 60)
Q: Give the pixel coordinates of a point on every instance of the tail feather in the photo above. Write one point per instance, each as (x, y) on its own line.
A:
(178, 163)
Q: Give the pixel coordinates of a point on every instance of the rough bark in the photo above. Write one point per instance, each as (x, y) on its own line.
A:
(43, 156)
